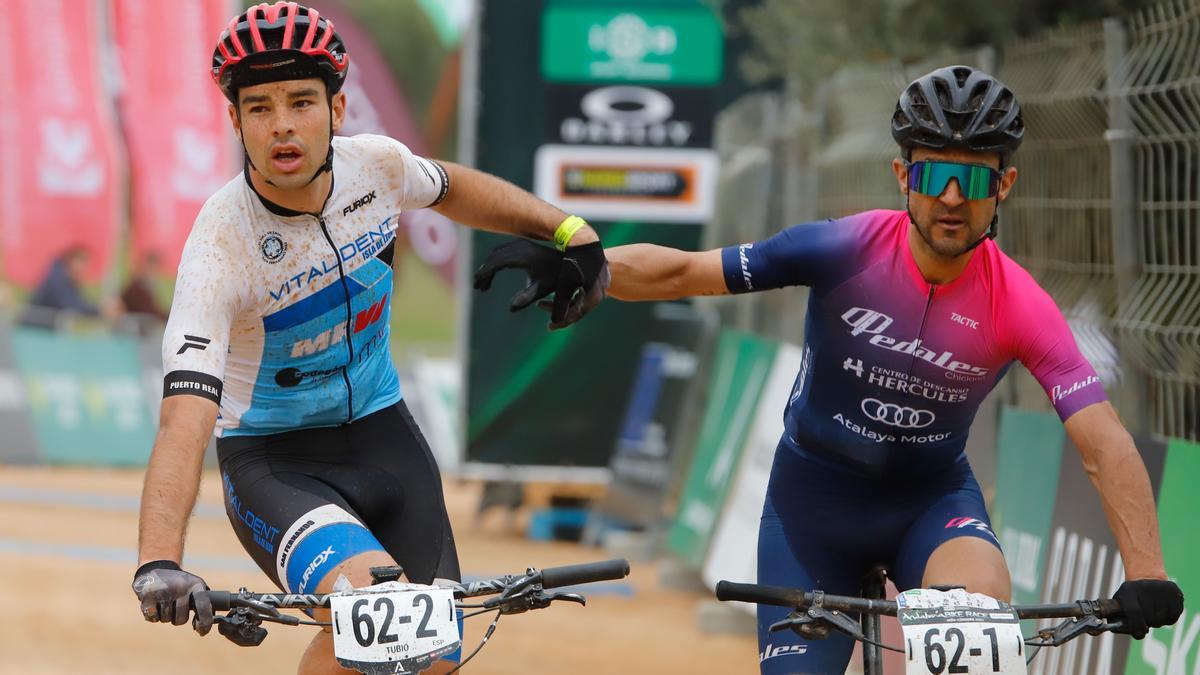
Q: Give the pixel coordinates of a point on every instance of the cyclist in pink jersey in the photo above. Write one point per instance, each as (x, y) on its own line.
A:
(913, 317)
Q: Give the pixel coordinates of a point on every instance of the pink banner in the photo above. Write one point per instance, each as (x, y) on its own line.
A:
(181, 146)
(59, 162)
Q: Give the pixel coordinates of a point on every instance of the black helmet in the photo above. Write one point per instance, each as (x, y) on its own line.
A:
(283, 41)
(960, 107)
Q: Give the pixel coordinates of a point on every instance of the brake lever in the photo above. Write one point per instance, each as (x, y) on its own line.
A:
(514, 591)
(816, 621)
(565, 597)
(536, 598)
(1070, 629)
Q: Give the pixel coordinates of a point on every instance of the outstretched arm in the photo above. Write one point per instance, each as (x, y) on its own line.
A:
(649, 272)
(486, 202)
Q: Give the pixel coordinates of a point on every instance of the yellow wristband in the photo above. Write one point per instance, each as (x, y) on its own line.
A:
(567, 229)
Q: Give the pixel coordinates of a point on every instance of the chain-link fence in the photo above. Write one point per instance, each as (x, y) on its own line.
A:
(1106, 212)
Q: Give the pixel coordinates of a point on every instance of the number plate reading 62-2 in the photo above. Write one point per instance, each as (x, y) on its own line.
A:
(954, 631)
(394, 627)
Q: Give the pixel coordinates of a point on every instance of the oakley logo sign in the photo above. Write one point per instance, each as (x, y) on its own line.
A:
(193, 342)
(626, 115)
(897, 415)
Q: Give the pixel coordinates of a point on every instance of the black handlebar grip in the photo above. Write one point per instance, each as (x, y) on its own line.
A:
(219, 599)
(569, 575)
(763, 595)
(1109, 608)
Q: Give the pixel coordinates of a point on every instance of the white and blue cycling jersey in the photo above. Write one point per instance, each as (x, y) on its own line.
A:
(281, 317)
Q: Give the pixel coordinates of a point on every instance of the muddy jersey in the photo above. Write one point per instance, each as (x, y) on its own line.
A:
(281, 317)
(894, 368)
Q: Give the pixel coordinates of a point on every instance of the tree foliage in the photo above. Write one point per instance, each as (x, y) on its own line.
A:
(806, 40)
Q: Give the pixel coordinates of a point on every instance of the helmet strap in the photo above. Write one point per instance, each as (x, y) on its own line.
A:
(327, 165)
(991, 233)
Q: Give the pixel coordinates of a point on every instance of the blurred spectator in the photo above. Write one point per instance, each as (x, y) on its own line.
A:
(62, 291)
(138, 296)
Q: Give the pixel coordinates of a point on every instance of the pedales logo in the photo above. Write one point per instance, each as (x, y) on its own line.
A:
(873, 323)
(361, 201)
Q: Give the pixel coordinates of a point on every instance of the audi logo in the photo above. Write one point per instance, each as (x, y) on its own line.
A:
(897, 415)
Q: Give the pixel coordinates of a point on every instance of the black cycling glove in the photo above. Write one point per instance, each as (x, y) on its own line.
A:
(578, 278)
(1148, 603)
(541, 264)
(166, 595)
(582, 284)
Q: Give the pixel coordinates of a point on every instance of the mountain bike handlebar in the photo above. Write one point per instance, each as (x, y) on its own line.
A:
(799, 599)
(508, 585)
(512, 594)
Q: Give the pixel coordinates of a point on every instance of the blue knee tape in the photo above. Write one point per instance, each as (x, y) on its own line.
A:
(323, 549)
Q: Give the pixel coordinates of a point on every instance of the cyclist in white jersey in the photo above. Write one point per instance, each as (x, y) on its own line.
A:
(278, 334)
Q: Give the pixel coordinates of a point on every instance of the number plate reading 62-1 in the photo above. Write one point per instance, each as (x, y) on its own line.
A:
(948, 632)
(394, 627)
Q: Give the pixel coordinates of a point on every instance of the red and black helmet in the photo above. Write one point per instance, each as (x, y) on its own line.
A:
(283, 41)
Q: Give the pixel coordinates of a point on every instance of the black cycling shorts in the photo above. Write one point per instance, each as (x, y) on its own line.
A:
(304, 501)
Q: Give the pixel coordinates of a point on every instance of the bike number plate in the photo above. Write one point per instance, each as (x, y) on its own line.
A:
(394, 627)
(954, 631)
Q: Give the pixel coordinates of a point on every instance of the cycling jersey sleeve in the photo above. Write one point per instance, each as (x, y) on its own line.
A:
(1040, 338)
(424, 182)
(196, 339)
(807, 254)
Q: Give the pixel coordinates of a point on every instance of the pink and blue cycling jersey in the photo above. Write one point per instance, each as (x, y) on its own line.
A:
(894, 368)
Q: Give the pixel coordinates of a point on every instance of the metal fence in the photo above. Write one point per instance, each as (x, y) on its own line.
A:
(1106, 212)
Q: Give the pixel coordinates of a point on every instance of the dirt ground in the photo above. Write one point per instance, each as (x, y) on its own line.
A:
(67, 549)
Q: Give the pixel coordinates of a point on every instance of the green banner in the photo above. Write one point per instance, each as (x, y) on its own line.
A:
(676, 43)
(87, 396)
(739, 369)
(1176, 649)
(1029, 456)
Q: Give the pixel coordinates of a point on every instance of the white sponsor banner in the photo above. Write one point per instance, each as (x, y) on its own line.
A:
(734, 552)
